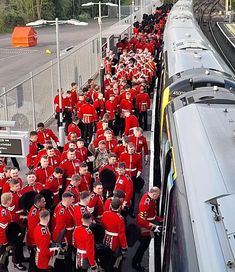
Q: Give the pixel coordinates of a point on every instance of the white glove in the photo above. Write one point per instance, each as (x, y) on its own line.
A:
(146, 157)
(157, 229)
(138, 174)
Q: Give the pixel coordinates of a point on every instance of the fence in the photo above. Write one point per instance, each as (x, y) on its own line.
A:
(30, 100)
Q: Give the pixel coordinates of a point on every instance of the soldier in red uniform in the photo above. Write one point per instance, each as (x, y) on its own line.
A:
(82, 151)
(5, 177)
(96, 204)
(142, 105)
(115, 231)
(32, 185)
(133, 169)
(131, 122)
(70, 166)
(121, 147)
(111, 164)
(5, 220)
(86, 179)
(146, 220)
(125, 184)
(88, 116)
(73, 127)
(54, 184)
(74, 98)
(45, 134)
(110, 141)
(73, 187)
(32, 221)
(110, 107)
(116, 194)
(99, 106)
(33, 149)
(42, 237)
(140, 143)
(83, 241)
(14, 174)
(14, 208)
(81, 207)
(63, 218)
(44, 171)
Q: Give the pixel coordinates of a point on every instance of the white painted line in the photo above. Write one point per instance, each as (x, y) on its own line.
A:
(151, 168)
(218, 24)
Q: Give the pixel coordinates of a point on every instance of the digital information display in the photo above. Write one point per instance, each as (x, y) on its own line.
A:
(10, 147)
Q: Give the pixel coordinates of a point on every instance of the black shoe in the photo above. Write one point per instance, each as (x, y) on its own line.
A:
(138, 267)
(20, 266)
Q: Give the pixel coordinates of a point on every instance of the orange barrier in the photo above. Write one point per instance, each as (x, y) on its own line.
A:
(24, 36)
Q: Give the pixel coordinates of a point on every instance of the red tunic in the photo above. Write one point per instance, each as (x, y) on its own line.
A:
(46, 134)
(86, 182)
(110, 109)
(114, 224)
(32, 221)
(79, 210)
(70, 167)
(133, 163)
(63, 218)
(33, 151)
(131, 122)
(43, 174)
(142, 102)
(5, 219)
(54, 184)
(87, 113)
(146, 214)
(82, 153)
(125, 184)
(140, 144)
(15, 207)
(96, 205)
(37, 187)
(6, 186)
(75, 190)
(119, 149)
(73, 128)
(42, 237)
(83, 241)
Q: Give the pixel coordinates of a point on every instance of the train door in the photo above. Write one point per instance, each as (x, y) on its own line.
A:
(167, 212)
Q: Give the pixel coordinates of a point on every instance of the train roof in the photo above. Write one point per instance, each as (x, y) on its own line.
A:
(185, 46)
(205, 131)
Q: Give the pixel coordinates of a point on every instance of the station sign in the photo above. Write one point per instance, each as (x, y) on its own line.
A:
(14, 144)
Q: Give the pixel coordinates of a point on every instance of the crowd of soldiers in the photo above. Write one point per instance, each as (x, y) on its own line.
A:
(74, 212)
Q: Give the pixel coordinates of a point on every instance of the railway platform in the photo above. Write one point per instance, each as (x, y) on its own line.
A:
(228, 31)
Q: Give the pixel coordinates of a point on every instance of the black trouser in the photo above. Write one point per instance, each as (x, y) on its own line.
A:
(88, 132)
(143, 120)
(67, 119)
(65, 264)
(45, 270)
(32, 264)
(17, 251)
(4, 257)
(144, 244)
(132, 207)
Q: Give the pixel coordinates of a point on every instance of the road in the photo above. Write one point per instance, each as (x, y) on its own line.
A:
(17, 62)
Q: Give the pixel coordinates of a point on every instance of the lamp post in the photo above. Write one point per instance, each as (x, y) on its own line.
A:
(57, 22)
(100, 24)
(119, 11)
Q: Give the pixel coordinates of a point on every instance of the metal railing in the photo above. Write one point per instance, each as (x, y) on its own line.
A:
(30, 99)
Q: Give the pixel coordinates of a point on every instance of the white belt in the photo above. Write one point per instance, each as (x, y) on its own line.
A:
(143, 103)
(70, 228)
(81, 251)
(111, 233)
(87, 115)
(131, 170)
(151, 218)
(133, 128)
(38, 250)
(69, 178)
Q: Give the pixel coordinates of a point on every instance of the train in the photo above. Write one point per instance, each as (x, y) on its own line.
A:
(196, 106)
